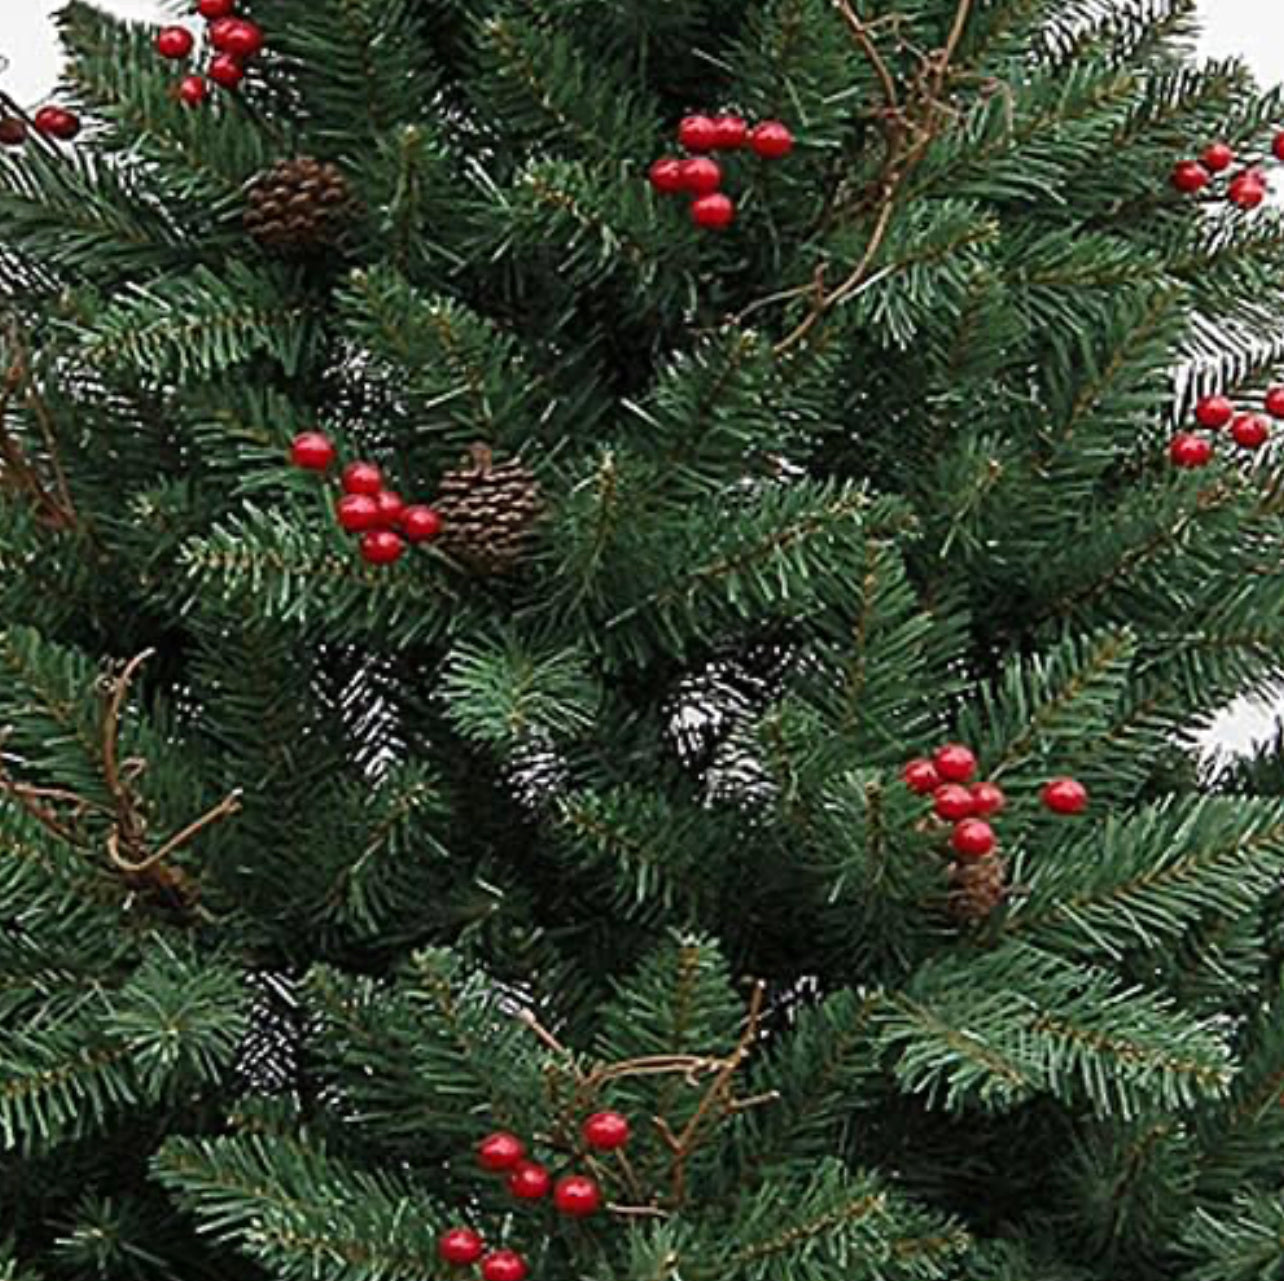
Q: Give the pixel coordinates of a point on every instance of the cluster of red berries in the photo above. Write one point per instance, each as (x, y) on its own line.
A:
(1214, 413)
(235, 41)
(53, 122)
(380, 515)
(1247, 189)
(947, 776)
(575, 1195)
(700, 176)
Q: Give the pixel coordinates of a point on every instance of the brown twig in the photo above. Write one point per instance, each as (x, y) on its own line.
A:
(229, 805)
(870, 49)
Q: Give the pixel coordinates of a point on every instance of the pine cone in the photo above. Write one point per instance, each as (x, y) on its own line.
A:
(299, 206)
(489, 511)
(977, 887)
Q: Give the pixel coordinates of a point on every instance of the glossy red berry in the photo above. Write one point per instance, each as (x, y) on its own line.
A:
(212, 9)
(500, 1152)
(953, 802)
(392, 507)
(666, 176)
(313, 451)
(1218, 158)
(13, 131)
(1214, 412)
(174, 42)
(381, 547)
(955, 763)
(772, 140)
(461, 1247)
(1189, 450)
(421, 524)
(698, 133)
(530, 1181)
(226, 71)
(57, 122)
(1066, 796)
(193, 90)
(730, 132)
(242, 38)
(1248, 190)
(701, 175)
(1251, 431)
(362, 478)
(504, 1265)
(714, 212)
(920, 776)
(1275, 402)
(357, 513)
(988, 798)
(218, 32)
(577, 1196)
(1279, 146)
(974, 838)
(606, 1131)
(1189, 176)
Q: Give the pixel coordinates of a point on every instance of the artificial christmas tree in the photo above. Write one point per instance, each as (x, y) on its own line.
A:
(590, 824)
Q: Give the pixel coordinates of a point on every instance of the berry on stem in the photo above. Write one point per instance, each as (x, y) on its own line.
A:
(1278, 146)
(57, 122)
(357, 513)
(988, 798)
(772, 140)
(1275, 402)
(381, 547)
(1214, 412)
(1189, 450)
(226, 71)
(701, 175)
(974, 838)
(731, 132)
(1248, 189)
(954, 802)
(920, 776)
(1251, 431)
(530, 1181)
(606, 1131)
(461, 1247)
(666, 176)
(504, 1265)
(242, 38)
(713, 212)
(1189, 176)
(193, 90)
(362, 478)
(212, 9)
(955, 763)
(392, 507)
(313, 451)
(500, 1152)
(577, 1196)
(1218, 158)
(1066, 796)
(698, 133)
(421, 524)
(218, 32)
(174, 42)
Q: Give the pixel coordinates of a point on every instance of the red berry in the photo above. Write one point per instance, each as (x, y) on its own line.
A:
(504, 1265)
(218, 32)
(1189, 450)
(313, 451)
(1066, 796)
(1190, 176)
(954, 802)
(730, 132)
(174, 42)
(226, 71)
(701, 175)
(1218, 158)
(211, 9)
(1279, 146)
(500, 1152)
(381, 547)
(920, 776)
(1248, 190)
(13, 131)
(57, 122)
(357, 513)
(666, 176)
(988, 798)
(1214, 412)
(241, 38)
(193, 90)
(421, 524)
(1251, 431)
(1275, 402)
(698, 133)
(772, 140)
(577, 1196)
(974, 838)
(606, 1131)
(955, 763)
(461, 1246)
(530, 1181)
(714, 211)
(391, 508)
(362, 478)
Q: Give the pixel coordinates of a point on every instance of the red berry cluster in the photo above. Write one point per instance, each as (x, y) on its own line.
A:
(700, 176)
(575, 1195)
(1247, 189)
(53, 122)
(947, 776)
(1248, 429)
(380, 515)
(234, 40)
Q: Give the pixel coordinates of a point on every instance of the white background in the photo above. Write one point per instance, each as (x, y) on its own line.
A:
(1253, 29)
